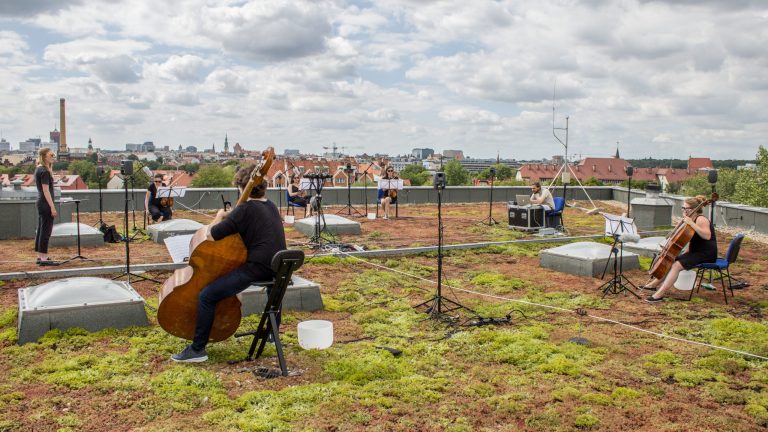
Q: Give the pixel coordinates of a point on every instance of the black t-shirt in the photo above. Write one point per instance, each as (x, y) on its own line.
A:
(261, 228)
(153, 199)
(43, 176)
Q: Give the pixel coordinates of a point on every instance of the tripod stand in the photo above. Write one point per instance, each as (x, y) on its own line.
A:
(317, 239)
(618, 283)
(127, 241)
(99, 173)
(438, 307)
(490, 220)
(79, 253)
(136, 230)
(349, 208)
(365, 186)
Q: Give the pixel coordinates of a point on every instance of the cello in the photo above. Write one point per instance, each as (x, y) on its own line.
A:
(680, 236)
(208, 261)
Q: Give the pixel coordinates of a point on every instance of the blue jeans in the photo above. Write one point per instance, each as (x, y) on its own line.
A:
(228, 285)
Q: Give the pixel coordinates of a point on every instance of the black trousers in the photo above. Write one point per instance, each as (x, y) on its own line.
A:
(158, 212)
(44, 227)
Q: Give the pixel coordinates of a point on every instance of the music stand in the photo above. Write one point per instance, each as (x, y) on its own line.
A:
(349, 208)
(617, 227)
(316, 182)
(387, 184)
(127, 240)
(77, 212)
(136, 230)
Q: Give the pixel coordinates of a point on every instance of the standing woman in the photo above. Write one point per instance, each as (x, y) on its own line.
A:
(46, 211)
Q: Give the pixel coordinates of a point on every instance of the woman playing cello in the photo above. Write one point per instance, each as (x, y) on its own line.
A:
(701, 249)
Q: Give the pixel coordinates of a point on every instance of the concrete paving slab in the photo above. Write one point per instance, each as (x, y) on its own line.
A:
(334, 224)
(648, 246)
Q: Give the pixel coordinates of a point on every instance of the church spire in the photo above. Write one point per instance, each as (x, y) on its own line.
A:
(226, 144)
(617, 151)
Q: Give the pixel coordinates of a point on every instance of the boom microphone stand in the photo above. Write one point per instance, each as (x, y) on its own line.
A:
(490, 220)
(438, 307)
(99, 173)
(127, 170)
(316, 183)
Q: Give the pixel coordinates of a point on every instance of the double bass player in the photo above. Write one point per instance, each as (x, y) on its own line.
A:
(260, 226)
(701, 249)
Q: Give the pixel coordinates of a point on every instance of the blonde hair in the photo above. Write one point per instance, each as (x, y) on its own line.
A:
(41, 155)
(693, 202)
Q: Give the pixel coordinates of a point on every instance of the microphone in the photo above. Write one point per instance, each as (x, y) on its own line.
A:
(629, 238)
(147, 171)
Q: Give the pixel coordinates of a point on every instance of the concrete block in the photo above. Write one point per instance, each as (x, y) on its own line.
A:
(65, 234)
(584, 259)
(648, 246)
(302, 295)
(174, 227)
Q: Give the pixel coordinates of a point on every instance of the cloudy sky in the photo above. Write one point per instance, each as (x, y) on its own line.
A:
(662, 78)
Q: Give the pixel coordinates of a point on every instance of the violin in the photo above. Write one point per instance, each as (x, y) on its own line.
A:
(208, 261)
(680, 236)
(166, 202)
(392, 193)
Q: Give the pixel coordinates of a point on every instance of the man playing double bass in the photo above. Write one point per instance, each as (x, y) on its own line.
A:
(701, 249)
(259, 224)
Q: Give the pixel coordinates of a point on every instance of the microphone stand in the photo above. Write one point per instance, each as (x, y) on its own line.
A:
(365, 187)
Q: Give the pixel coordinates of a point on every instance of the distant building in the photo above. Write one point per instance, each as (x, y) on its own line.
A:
(30, 145)
(133, 147)
(292, 152)
(191, 149)
(422, 153)
(5, 145)
(477, 165)
(148, 146)
(453, 154)
(55, 136)
(700, 164)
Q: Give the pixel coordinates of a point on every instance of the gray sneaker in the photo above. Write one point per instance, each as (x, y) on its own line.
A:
(190, 355)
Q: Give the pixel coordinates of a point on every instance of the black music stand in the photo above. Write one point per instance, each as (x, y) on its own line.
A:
(127, 241)
(99, 174)
(284, 263)
(77, 212)
(490, 220)
(618, 226)
(349, 171)
(318, 240)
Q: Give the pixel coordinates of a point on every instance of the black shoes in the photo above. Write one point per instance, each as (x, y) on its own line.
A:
(651, 299)
(190, 355)
(46, 262)
(648, 288)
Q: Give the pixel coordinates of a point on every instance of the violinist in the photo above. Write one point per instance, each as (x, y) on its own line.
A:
(701, 249)
(297, 196)
(153, 204)
(260, 226)
(387, 197)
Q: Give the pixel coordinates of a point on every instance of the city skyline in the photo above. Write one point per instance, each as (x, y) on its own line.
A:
(664, 79)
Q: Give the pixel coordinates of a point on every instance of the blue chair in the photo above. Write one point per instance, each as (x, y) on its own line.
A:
(290, 205)
(555, 216)
(721, 267)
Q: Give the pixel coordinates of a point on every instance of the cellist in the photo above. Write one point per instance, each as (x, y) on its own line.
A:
(259, 224)
(701, 249)
(387, 197)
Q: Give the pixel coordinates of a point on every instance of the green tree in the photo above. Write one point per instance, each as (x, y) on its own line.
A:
(503, 172)
(151, 164)
(60, 165)
(85, 169)
(133, 157)
(455, 174)
(417, 174)
(93, 158)
(592, 181)
(191, 168)
(140, 180)
(752, 187)
(696, 185)
(213, 176)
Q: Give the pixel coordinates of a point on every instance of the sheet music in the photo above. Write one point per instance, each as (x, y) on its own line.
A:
(305, 184)
(171, 192)
(391, 184)
(178, 247)
(615, 224)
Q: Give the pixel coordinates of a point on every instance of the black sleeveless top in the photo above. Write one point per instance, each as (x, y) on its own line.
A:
(705, 247)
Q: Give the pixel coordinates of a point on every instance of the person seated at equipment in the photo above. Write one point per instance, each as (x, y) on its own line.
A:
(387, 197)
(297, 196)
(154, 204)
(701, 249)
(542, 197)
(260, 226)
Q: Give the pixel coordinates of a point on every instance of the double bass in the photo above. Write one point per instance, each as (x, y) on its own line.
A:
(680, 236)
(208, 261)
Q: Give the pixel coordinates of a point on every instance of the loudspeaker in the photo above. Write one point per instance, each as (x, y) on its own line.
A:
(100, 170)
(126, 167)
(492, 170)
(630, 171)
(712, 176)
(439, 180)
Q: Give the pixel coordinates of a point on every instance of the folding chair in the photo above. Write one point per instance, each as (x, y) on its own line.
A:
(721, 267)
(283, 264)
(290, 205)
(379, 196)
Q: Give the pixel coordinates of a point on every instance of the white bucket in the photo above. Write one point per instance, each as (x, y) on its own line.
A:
(289, 219)
(317, 334)
(685, 280)
(372, 216)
